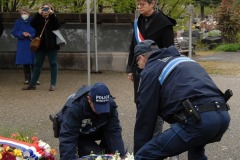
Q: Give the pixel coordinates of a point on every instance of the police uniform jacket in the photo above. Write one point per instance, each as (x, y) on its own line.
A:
(78, 121)
(188, 80)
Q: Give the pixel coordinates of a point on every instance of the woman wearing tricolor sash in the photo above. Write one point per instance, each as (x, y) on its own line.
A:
(151, 24)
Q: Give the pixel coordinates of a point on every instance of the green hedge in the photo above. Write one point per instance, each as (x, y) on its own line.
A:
(231, 47)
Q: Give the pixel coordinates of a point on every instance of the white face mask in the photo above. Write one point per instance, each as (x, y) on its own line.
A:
(24, 16)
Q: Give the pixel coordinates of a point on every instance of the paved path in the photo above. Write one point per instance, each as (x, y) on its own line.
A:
(30, 109)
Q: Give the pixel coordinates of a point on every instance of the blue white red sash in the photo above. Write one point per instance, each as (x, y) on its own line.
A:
(31, 151)
(138, 35)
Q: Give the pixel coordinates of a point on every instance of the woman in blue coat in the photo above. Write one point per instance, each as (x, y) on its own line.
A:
(24, 32)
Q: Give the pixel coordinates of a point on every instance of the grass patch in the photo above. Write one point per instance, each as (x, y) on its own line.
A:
(221, 68)
(205, 53)
(218, 67)
(7, 132)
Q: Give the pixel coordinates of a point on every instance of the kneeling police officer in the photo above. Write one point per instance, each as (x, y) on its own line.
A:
(179, 90)
(88, 115)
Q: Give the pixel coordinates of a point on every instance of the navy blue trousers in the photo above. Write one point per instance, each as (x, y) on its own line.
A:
(87, 143)
(191, 137)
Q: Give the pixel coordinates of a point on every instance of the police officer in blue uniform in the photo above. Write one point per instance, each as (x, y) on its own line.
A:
(89, 115)
(179, 90)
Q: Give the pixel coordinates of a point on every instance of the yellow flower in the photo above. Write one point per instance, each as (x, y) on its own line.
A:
(17, 152)
(0, 156)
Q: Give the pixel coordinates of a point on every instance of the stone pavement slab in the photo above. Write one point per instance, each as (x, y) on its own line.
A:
(30, 109)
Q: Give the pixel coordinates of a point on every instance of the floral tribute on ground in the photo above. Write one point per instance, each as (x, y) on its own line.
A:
(107, 157)
(24, 148)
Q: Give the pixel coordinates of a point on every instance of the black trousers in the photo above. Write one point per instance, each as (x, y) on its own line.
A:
(92, 143)
(28, 68)
(136, 80)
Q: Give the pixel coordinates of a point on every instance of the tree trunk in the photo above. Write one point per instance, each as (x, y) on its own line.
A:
(100, 8)
(202, 13)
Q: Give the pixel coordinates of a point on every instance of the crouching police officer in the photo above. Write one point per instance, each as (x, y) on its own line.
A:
(183, 94)
(88, 115)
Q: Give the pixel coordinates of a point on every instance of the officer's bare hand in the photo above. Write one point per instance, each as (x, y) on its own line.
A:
(130, 76)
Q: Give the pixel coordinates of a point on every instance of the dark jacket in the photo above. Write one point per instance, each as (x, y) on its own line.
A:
(160, 30)
(187, 80)
(157, 27)
(24, 54)
(79, 121)
(48, 40)
(1, 26)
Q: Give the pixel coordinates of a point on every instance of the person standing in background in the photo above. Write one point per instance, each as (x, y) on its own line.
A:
(151, 24)
(1, 26)
(24, 32)
(48, 46)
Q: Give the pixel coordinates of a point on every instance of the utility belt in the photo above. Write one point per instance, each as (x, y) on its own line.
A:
(194, 111)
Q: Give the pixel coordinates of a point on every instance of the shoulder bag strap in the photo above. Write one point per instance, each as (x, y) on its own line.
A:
(43, 28)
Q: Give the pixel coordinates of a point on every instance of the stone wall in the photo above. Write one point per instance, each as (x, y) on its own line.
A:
(114, 33)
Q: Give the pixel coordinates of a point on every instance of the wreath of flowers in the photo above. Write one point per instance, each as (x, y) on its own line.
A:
(107, 157)
(20, 147)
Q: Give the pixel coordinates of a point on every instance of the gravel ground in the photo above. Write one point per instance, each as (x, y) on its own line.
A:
(29, 110)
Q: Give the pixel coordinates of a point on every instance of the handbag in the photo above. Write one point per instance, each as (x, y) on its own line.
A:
(35, 43)
(59, 38)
